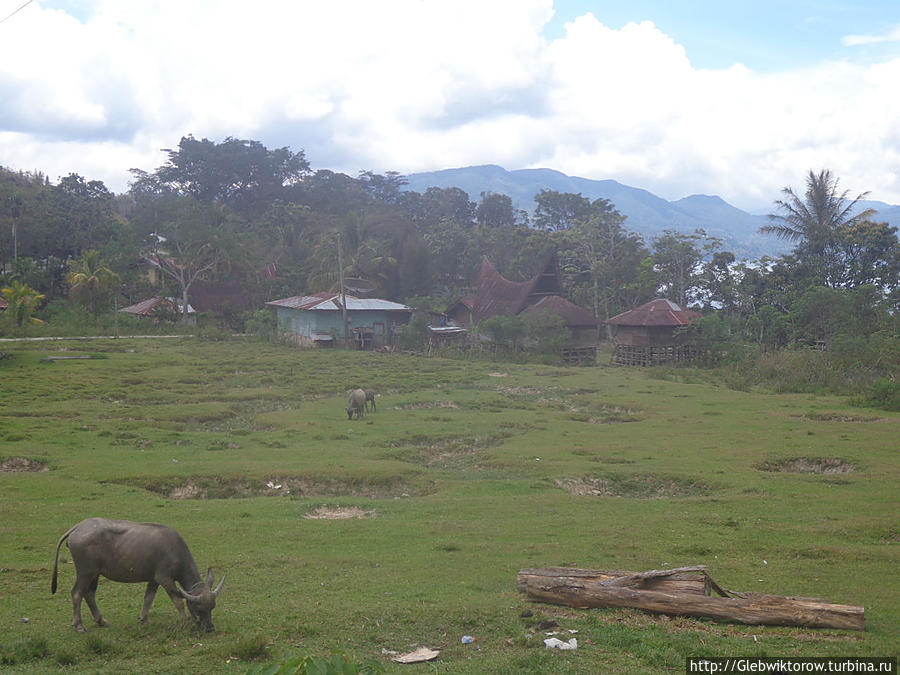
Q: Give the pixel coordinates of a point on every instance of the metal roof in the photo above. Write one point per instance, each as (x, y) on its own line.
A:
(332, 303)
(146, 307)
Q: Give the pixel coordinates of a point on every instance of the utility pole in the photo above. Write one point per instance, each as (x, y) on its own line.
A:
(343, 295)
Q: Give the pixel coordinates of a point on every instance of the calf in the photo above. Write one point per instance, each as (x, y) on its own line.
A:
(136, 552)
(370, 398)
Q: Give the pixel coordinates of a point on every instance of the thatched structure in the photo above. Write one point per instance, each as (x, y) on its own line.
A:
(648, 336)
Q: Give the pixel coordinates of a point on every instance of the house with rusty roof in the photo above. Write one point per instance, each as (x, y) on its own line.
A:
(318, 319)
(648, 335)
(540, 296)
(158, 306)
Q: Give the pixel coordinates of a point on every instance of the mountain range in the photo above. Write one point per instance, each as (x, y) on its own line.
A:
(646, 214)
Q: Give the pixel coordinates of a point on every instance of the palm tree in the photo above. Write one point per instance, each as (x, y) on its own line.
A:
(23, 301)
(88, 276)
(813, 220)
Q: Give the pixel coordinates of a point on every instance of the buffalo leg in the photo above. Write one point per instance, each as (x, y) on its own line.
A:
(149, 594)
(177, 600)
(90, 599)
(78, 593)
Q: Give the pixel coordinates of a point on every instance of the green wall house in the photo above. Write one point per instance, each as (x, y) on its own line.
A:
(317, 319)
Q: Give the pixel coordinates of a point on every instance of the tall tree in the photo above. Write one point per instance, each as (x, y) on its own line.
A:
(495, 210)
(555, 211)
(242, 174)
(812, 222)
(677, 261)
(191, 242)
(602, 258)
(437, 206)
(385, 188)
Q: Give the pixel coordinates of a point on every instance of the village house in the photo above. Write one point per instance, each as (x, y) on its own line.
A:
(157, 307)
(648, 335)
(540, 296)
(318, 319)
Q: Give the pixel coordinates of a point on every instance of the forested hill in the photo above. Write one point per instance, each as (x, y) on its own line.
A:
(647, 214)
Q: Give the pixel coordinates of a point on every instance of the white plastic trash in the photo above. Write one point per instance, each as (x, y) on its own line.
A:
(556, 643)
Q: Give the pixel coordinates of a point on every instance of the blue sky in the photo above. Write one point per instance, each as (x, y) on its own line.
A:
(733, 98)
(765, 35)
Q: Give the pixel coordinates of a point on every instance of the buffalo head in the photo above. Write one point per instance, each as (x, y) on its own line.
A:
(201, 599)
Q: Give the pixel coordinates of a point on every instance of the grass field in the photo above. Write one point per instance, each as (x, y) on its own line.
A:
(468, 472)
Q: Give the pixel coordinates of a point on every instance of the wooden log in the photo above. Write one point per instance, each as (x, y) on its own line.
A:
(669, 581)
(753, 609)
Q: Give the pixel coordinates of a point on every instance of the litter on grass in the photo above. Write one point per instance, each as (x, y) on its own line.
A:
(418, 656)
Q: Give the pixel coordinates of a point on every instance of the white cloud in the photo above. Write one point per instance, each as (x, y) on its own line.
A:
(892, 35)
(416, 85)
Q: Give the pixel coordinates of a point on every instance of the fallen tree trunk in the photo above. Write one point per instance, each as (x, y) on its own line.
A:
(669, 581)
(754, 609)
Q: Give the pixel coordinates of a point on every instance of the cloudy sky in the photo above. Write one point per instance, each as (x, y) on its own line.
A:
(737, 98)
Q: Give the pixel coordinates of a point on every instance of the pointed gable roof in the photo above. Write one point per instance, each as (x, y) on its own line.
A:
(659, 312)
(497, 295)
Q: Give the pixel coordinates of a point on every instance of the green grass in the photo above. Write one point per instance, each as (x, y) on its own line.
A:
(468, 472)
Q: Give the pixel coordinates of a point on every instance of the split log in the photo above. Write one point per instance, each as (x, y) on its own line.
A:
(753, 609)
(668, 581)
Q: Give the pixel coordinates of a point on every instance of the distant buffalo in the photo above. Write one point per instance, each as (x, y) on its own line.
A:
(131, 553)
(370, 398)
(356, 404)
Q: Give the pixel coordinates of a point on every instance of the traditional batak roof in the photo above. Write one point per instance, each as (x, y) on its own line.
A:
(658, 312)
(497, 295)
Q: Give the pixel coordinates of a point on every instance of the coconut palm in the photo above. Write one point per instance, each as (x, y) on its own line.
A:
(23, 302)
(812, 221)
(88, 276)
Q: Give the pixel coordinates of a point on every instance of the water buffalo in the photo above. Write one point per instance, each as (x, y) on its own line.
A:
(136, 552)
(370, 397)
(357, 404)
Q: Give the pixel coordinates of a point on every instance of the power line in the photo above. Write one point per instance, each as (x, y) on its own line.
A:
(9, 16)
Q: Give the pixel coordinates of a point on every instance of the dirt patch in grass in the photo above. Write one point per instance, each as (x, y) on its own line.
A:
(338, 513)
(836, 417)
(219, 487)
(643, 486)
(443, 452)
(427, 406)
(21, 464)
(809, 465)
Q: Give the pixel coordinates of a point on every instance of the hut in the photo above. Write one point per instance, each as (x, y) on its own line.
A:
(538, 296)
(648, 335)
(318, 319)
(159, 307)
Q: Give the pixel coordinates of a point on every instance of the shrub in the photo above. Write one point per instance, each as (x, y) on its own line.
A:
(263, 324)
(883, 393)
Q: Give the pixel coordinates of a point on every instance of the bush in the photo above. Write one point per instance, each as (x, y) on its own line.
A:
(883, 393)
(263, 324)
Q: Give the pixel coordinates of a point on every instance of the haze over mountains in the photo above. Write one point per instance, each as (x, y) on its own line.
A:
(646, 213)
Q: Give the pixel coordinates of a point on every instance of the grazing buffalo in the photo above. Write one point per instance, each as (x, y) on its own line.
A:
(370, 398)
(136, 552)
(357, 404)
